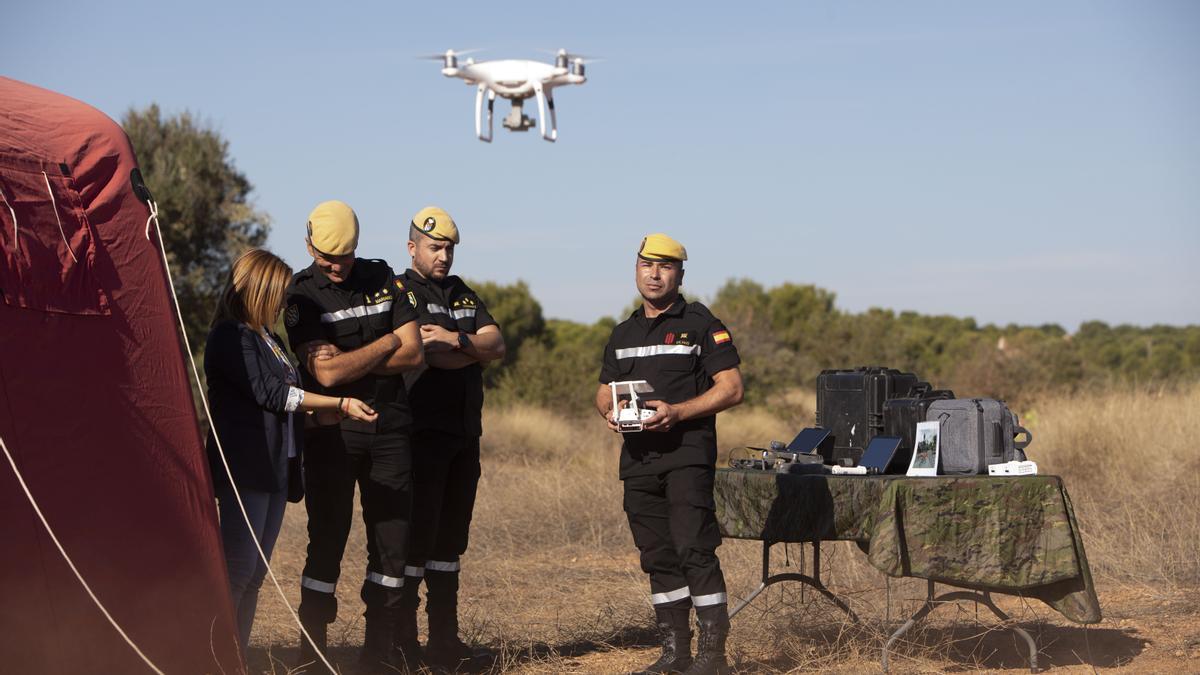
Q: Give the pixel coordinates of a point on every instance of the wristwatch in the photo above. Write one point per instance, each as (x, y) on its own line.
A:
(463, 341)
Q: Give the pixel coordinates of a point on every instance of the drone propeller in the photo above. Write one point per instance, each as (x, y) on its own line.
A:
(449, 53)
(571, 56)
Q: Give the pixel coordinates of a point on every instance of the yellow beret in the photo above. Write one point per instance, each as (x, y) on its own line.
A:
(661, 247)
(436, 224)
(333, 228)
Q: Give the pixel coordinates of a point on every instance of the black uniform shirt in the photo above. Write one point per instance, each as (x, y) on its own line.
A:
(447, 400)
(351, 315)
(677, 352)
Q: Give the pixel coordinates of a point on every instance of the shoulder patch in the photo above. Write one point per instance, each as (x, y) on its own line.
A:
(412, 299)
(399, 283)
(291, 317)
(721, 337)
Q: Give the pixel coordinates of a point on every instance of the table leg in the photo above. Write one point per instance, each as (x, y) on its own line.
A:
(932, 603)
(814, 581)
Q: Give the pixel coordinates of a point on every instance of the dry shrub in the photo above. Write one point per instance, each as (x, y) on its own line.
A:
(751, 426)
(531, 435)
(1129, 460)
(797, 406)
(547, 481)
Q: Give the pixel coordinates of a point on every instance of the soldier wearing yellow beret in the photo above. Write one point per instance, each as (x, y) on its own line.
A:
(459, 335)
(688, 357)
(355, 335)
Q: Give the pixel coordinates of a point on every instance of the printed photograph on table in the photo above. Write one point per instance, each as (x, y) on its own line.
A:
(925, 453)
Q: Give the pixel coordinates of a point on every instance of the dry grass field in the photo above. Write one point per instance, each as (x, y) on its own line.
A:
(551, 583)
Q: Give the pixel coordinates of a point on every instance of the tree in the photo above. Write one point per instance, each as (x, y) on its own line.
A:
(519, 316)
(557, 369)
(206, 217)
(768, 365)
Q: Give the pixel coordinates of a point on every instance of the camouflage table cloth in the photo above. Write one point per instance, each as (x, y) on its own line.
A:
(1004, 535)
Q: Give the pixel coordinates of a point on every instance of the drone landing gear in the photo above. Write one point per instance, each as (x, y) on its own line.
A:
(491, 104)
(544, 96)
(516, 120)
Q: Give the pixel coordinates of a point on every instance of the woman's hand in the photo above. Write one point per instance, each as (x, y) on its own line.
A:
(356, 409)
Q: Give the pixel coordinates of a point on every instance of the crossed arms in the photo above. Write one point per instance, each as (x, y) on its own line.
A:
(406, 348)
(394, 353)
(442, 348)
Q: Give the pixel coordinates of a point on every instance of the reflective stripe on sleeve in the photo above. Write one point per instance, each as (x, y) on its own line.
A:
(317, 585)
(442, 566)
(656, 350)
(410, 571)
(360, 311)
(670, 596)
(385, 580)
(711, 599)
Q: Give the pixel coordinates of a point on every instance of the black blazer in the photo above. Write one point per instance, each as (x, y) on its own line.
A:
(247, 393)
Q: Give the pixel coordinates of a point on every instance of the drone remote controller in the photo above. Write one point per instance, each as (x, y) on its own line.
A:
(631, 420)
(628, 416)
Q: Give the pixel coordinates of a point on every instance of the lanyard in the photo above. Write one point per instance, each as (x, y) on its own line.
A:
(290, 371)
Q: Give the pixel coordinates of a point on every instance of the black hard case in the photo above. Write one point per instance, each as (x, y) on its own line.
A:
(900, 417)
(850, 404)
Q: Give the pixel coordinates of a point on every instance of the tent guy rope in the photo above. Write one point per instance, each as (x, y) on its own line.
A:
(50, 531)
(54, 205)
(16, 241)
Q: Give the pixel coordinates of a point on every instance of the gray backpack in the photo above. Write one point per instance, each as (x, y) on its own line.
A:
(976, 432)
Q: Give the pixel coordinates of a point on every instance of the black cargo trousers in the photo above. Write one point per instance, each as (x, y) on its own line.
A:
(672, 516)
(381, 465)
(447, 469)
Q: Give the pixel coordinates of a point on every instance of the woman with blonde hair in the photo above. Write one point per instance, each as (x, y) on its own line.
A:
(254, 392)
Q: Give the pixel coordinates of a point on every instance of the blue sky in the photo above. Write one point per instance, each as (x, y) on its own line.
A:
(1017, 162)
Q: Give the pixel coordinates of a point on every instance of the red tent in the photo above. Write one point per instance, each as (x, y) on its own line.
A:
(96, 409)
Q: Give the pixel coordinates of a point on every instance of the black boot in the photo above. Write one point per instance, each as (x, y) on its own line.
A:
(676, 639)
(308, 657)
(317, 610)
(710, 649)
(444, 648)
(404, 628)
(377, 639)
(406, 647)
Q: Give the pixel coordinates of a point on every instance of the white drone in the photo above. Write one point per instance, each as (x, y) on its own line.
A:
(516, 80)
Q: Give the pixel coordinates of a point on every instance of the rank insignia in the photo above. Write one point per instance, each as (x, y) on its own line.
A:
(379, 296)
(684, 338)
(670, 339)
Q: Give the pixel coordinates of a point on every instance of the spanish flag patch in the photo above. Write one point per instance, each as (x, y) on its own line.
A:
(721, 337)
